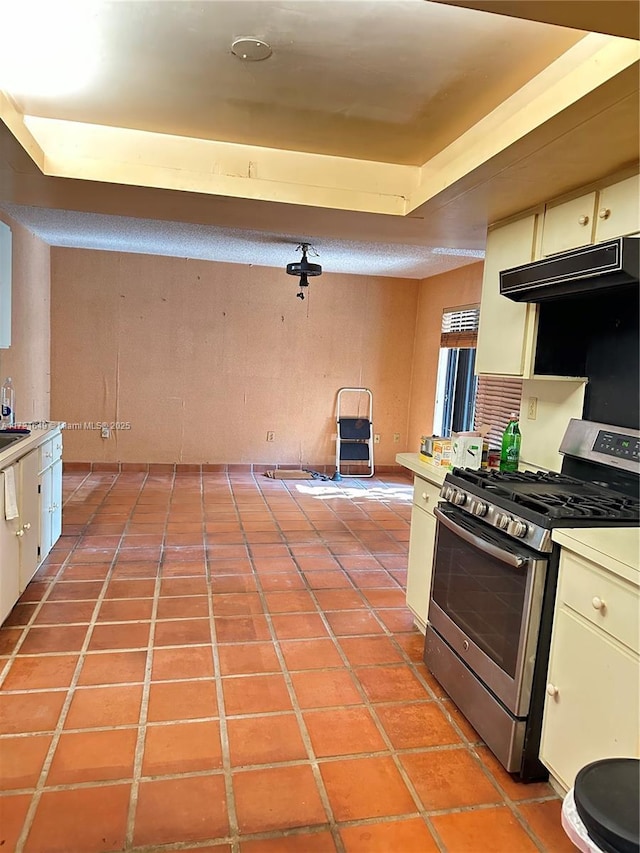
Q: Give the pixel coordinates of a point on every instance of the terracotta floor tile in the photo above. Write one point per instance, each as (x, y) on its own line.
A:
(328, 580)
(58, 638)
(465, 726)
(236, 604)
(93, 757)
(245, 658)
(265, 740)
(371, 579)
(189, 809)
(319, 842)
(64, 612)
(233, 583)
(386, 597)
(370, 650)
(182, 632)
(9, 638)
(413, 645)
(183, 606)
(297, 601)
(239, 629)
(171, 664)
(397, 619)
(448, 779)
(183, 586)
(113, 667)
(20, 615)
(391, 684)
(352, 622)
(403, 836)
(310, 654)
(40, 673)
(281, 581)
(255, 694)
(416, 724)
(182, 748)
(366, 787)
(125, 610)
(343, 731)
(120, 635)
(30, 712)
(514, 789)
(498, 828)
(13, 810)
(277, 798)
(545, 820)
(182, 700)
(298, 626)
(21, 760)
(95, 707)
(340, 599)
(57, 829)
(134, 588)
(75, 591)
(322, 689)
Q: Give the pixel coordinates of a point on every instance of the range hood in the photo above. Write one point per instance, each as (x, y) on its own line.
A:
(579, 271)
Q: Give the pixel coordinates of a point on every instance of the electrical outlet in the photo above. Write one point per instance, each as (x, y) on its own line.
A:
(271, 435)
(396, 437)
(105, 432)
(532, 408)
(376, 438)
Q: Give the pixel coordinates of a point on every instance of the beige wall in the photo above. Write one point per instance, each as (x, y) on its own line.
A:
(436, 294)
(204, 358)
(27, 360)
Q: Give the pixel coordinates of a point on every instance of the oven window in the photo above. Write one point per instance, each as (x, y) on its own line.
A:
(483, 596)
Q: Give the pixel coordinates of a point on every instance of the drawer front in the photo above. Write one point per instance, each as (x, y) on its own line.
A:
(602, 599)
(50, 451)
(56, 449)
(425, 494)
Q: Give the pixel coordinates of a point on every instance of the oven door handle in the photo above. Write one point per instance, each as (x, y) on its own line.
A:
(481, 544)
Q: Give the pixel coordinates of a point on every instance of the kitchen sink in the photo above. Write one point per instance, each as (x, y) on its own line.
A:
(8, 438)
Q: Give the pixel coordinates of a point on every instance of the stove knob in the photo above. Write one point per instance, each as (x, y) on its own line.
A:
(502, 521)
(448, 492)
(478, 508)
(458, 498)
(517, 528)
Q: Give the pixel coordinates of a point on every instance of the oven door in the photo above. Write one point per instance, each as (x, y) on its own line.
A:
(486, 602)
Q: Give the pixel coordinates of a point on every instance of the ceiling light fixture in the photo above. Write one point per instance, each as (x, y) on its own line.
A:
(251, 49)
(304, 268)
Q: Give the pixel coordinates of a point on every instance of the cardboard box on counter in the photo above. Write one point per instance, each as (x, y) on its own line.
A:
(435, 450)
(469, 449)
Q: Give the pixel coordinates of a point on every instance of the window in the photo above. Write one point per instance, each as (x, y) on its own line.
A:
(464, 401)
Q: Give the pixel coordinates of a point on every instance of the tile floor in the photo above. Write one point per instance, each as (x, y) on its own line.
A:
(225, 663)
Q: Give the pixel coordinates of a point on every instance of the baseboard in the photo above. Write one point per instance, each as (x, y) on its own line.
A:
(218, 468)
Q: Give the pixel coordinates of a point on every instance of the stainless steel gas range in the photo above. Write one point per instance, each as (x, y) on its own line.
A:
(495, 574)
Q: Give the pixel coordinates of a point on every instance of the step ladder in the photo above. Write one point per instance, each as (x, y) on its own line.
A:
(354, 441)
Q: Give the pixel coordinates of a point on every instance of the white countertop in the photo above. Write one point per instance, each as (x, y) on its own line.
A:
(432, 473)
(614, 548)
(23, 445)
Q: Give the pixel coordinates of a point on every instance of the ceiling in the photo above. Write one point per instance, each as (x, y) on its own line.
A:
(386, 133)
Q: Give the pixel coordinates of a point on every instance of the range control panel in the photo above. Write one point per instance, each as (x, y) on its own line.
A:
(618, 444)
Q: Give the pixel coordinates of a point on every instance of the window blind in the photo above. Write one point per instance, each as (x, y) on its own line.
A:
(496, 398)
(460, 328)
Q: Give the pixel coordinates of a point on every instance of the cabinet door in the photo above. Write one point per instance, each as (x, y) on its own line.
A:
(618, 210)
(9, 558)
(595, 712)
(56, 501)
(569, 225)
(421, 542)
(505, 333)
(46, 501)
(29, 503)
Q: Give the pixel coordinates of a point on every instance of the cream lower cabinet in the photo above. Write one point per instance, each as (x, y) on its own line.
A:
(507, 328)
(29, 526)
(50, 482)
(9, 557)
(421, 544)
(592, 707)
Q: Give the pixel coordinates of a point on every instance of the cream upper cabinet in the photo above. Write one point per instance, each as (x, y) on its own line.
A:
(569, 225)
(618, 210)
(592, 706)
(506, 330)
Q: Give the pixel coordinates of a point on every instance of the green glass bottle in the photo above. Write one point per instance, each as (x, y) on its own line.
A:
(510, 452)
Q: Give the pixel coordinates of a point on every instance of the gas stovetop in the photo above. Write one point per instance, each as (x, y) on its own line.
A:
(528, 505)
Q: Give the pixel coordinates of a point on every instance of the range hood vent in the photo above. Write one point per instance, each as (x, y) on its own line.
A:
(581, 271)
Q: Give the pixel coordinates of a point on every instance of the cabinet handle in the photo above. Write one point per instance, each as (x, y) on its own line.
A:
(48, 455)
(552, 690)
(597, 603)
(604, 213)
(27, 526)
(425, 497)
(19, 532)
(583, 220)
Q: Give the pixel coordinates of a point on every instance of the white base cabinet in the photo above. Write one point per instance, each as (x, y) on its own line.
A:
(50, 483)
(592, 707)
(421, 545)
